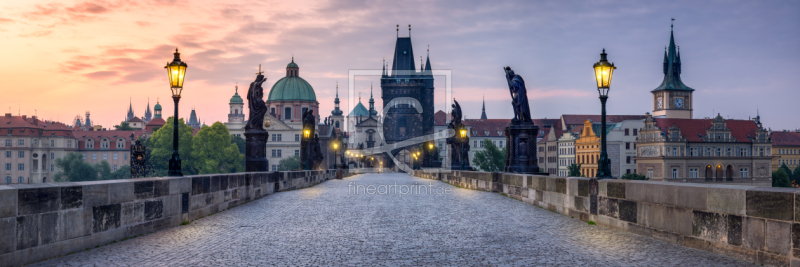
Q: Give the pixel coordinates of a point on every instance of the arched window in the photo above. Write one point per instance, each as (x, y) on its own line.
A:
(235, 111)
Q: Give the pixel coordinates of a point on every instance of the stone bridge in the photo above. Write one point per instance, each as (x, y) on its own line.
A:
(393, 219)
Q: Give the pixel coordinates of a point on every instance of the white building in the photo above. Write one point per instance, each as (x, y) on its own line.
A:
(621, 146)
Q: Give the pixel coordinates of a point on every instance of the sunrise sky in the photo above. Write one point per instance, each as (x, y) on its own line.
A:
(61, 58)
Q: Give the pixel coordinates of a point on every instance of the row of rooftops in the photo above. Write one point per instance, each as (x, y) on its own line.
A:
(33, 127)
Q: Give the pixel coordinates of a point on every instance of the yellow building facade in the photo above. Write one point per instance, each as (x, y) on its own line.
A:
(786, 149)
(587, 150)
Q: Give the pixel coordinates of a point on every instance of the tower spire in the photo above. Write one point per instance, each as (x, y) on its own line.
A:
(483, 110)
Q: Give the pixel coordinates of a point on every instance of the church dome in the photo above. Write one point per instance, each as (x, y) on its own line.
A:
(236, 99)
(292, 87)
(157, 106)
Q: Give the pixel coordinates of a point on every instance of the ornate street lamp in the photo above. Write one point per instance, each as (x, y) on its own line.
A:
(176, 71)
(603, 71)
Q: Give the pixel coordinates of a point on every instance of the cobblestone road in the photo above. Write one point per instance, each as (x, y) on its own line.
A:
(327, 225)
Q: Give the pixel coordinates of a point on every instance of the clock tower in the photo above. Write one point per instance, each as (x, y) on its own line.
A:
(672, 99)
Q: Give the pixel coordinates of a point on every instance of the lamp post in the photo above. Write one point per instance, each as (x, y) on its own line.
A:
(463, 141)
(305, 147)
(176, 71)
(603, 71)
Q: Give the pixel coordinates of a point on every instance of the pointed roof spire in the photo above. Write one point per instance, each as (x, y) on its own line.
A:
(398, 30)
(409, 30)
(383, 73)
(483, 110)
(672, 68)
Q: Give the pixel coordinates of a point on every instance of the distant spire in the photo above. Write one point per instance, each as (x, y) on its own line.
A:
(483, 110)
(409, 30)
(398, 30)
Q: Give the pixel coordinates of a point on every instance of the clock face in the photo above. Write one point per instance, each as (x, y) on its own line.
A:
(678, 102)
(659, 103)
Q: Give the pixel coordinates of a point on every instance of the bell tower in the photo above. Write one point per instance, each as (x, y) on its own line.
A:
(672, 99)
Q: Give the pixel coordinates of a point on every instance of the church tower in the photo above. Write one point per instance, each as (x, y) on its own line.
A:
(147, 114)
(236, 107)
(157, 110)
(337, 120)
(672, 99)
(483, 110)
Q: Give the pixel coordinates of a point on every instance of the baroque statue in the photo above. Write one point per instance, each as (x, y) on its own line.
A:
(256, 105)
(519, 97)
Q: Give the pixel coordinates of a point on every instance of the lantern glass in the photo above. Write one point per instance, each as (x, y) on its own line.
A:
(176, 71)
(603, 71)
(463, 133)
(430, 146)
(306, 133)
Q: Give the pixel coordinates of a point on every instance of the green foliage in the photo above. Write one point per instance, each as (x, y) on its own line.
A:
(74, 169)
(785, 169)
(796, 176)
(214, 152)
(123, 126)
(290, 164)
(780, 179)
(634, 176)
(161, 143)
(592, 223)
(240, 143)
(491, 159)
(574, 170)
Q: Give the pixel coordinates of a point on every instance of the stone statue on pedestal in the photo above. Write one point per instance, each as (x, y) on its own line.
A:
(521, 133)
(255, 134)
(459, 145)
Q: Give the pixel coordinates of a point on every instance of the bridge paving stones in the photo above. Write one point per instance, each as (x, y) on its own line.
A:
(330, 225)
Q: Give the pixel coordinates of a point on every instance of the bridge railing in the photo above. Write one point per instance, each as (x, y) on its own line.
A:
(750, 223)
(42, 221)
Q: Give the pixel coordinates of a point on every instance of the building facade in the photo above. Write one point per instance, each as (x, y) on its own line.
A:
(566, 150)
(587, 149)
(479, 130)
(236, 122)
(621, 146)
(787, 149)
(711, 149)
(30, 147)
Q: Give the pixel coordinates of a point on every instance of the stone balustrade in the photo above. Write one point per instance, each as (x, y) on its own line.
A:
(750, 223)
(42, 221)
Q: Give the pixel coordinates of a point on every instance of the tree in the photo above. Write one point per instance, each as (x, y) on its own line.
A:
(239, 141)
(491, 159)
(214, 152)
(786, 170)
(289, 164)
(123, 172)
(74, 169)
(780, 179)
(796, 177)
(161, 143)
(123, 126)
(574, 170)
(103, 169)
(634, 176)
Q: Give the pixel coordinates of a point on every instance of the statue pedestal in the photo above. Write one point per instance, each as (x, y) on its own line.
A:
(256, 151)
(521, 148)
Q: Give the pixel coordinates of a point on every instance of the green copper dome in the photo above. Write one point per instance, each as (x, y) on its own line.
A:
(292, 64)
(236, 99)
(157, 106)
(292, 88)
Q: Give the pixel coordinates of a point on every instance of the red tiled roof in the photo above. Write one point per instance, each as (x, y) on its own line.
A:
(491, 125)
(692, 128)
(543, 123)
(156, 122)
(440, 118)
(111, 135)
(785, 138)
(24, 126)
(135, 119)
(575, 119)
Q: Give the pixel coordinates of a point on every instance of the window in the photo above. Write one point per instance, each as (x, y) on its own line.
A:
(105, 156)
(729, 153)
(279, 137)
(21, 142)
(125, 156)
(693, 173)
(8, 154)
(274, 137)
(304, 111)
(21, 180)
(674, 173)
(52, 143)
(8, 166)
(650, 173)
(501, 143)
(627, 145)
(719, 152)
(8, 143)
(69, 143)
(476, 144)
(694, 152)
(674, 152)
(20, 154)
(708, 152)
(120, 143)
(635, 131)
(274, 154)
(274, 168)
(21, 166)
(279, 152)
(297, 137)
(287, 113)
(743, 172)
(297, 153)
(626, 132)
(52, 155)
(8, 179)
(628, 159)
(52, 168)
(115, 156)
(115, 167)
(627, 171)
(94, 156)
(84, 156)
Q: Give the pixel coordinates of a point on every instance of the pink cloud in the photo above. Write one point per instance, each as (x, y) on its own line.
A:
(101, 74)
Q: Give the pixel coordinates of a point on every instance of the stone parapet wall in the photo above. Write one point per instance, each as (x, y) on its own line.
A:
(750, 223)
(42, 221)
